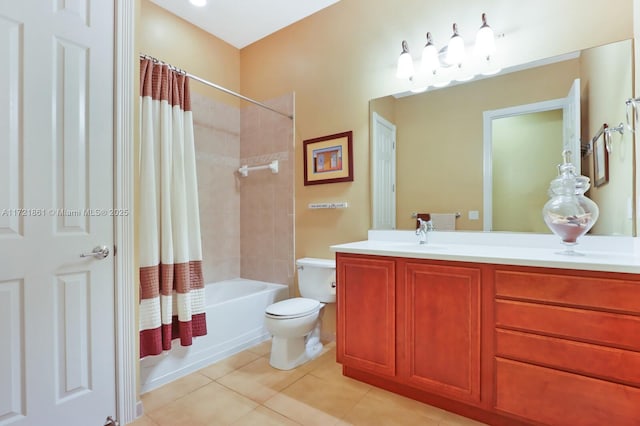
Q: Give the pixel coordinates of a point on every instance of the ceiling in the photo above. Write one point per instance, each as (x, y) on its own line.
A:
(242, 22)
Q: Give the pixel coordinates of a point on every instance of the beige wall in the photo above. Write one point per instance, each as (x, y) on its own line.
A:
(606, 84)
(169, 38)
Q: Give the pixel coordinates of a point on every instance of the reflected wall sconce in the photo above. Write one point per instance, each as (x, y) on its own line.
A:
(439, 67)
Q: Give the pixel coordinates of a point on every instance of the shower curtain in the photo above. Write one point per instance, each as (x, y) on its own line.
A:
(170, 249)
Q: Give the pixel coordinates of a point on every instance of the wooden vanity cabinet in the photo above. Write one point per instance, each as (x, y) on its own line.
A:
(507, 345)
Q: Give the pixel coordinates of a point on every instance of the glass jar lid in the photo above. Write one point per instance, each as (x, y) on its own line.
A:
(567, 182)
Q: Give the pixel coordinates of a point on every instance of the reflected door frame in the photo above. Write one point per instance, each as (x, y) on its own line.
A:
(487, 163)
(383, 173)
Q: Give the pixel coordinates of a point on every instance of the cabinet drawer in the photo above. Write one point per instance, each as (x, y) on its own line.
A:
(592, 292)
(622, 331)
(583, 358)
(558, 398)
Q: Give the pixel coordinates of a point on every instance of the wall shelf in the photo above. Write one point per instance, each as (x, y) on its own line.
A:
(340, 205)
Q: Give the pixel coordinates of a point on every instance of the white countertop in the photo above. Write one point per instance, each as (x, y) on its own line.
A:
(598, 253)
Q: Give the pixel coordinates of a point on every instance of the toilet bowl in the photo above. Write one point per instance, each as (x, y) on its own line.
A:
(295, 323)
(291, 331)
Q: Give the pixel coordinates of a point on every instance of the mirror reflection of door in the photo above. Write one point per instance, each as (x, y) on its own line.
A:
(383, 173)
(522, 144)
(522, 168)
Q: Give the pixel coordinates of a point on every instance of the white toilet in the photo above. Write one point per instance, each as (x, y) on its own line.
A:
(295, 323)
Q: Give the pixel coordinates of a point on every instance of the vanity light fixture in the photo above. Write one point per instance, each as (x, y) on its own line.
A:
(438, 68)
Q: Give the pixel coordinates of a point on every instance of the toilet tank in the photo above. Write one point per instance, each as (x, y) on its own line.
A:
(317, 279)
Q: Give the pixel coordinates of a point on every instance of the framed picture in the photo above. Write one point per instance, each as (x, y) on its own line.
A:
(600, 161)
(328, 159)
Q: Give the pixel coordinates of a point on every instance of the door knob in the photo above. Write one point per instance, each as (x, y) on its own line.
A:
(111, 422)
(99, 252)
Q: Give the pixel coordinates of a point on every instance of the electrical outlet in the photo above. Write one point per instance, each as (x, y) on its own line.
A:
(474, 215)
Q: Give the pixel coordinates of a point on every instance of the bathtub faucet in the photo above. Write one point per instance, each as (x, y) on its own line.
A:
(424, 227)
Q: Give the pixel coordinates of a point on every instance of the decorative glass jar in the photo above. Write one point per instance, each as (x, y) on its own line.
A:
(568, 213)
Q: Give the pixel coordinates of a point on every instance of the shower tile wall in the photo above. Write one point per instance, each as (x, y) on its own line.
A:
(217, 143)
(267, 213)
(247, 223)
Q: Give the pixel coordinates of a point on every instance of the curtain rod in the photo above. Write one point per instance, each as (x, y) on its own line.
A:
(215, 86)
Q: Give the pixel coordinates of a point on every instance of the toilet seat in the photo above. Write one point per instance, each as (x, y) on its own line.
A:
(292, 308)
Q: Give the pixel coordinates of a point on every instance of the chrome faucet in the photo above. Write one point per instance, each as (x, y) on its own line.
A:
(424, 227)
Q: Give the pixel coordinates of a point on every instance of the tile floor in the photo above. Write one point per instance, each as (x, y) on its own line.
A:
(245, 390)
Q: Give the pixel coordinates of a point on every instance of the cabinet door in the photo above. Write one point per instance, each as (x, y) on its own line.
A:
(366, 295)
(442, 327)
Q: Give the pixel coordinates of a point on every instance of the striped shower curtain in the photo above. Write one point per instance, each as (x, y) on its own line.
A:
(171, 284)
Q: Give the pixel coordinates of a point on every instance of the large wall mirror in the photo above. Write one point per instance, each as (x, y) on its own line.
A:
(441, 147)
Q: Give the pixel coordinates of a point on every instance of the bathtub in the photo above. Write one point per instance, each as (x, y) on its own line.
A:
(235, 322)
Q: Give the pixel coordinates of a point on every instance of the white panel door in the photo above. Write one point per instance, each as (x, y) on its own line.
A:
(57, 357)
(383, 171)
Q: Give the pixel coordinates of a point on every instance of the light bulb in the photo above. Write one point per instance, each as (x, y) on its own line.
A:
(405, 63)
(485, 40)
(455, 48)
(430, 61)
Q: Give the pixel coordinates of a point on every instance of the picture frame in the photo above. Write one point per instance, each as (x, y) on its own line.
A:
(600, 161)
(328, 159)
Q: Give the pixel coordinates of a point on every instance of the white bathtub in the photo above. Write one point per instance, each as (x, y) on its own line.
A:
(235, 321)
